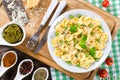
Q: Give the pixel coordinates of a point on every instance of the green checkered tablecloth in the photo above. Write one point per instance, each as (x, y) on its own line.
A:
(114, 70)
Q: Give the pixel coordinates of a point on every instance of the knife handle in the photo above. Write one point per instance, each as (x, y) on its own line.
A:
(50, 9)
(58, 11)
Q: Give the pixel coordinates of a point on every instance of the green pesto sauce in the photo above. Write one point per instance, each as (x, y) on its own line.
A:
(12, 33)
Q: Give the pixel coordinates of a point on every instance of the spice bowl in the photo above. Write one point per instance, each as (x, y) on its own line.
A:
(12, 34)
(24, 69)
(40, 74)
(9, 59)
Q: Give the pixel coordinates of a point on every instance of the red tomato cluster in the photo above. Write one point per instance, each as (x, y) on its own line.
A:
(105, 3)
(109, 61)
(102, 72)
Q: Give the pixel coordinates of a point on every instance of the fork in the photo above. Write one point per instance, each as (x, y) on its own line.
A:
(59, 9)
(33, 41)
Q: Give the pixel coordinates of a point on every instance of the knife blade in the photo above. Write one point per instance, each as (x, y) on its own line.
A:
(15, 11)
(59, 9)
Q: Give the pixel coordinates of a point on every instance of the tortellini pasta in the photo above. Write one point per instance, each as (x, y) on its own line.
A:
(79, 41)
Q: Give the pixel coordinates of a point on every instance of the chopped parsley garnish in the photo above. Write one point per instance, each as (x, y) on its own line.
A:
(75, 41)
(100, 27)
(82, 42)
(92, 33)
(92, 52)
(84, 38)
(71, 16)
(78, 65)
(83, 46)
(98, 40)
(64, 52)
(66, 42)
(86, 54)
(76, 55)
(96, 59)
(65, 28)
(69, 62)
(73, 28)
(91, 25)
(56, 33)
(80, 34)
(83, 25)
(78, 15)
(61, 42)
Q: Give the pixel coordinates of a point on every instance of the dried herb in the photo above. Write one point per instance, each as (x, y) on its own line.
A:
(41, 74)
(25, 67)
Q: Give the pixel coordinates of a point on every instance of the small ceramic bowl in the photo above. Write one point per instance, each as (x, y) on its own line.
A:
(4, 42)
(39, 69)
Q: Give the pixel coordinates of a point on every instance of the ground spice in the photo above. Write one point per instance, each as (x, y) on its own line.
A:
(9, 59)
(41, 74)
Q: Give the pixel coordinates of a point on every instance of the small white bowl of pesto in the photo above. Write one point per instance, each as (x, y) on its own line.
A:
(12, 34)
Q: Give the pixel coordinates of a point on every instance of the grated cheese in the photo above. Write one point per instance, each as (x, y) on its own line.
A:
(34, 15)
(18, 14)
(32, 3)
(7, 1)
(10, 5)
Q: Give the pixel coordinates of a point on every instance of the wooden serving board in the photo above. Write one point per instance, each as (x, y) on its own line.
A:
(43, 55)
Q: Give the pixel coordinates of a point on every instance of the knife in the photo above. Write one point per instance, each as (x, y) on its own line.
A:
(59, 9)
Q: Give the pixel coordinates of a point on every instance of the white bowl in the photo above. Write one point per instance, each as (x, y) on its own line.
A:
(39, 69)
(62, 63)
(4, 42)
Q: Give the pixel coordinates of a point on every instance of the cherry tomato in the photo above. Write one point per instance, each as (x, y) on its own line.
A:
(105, 3)
(109, 61)
(103, 73)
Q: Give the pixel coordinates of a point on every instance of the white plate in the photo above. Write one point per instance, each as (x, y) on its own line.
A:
(62, 63)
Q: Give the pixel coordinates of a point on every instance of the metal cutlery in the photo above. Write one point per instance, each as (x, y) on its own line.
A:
(33, 41)
(61, 6)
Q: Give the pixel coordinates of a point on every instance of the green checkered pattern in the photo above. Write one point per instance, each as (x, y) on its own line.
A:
(114, 70)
